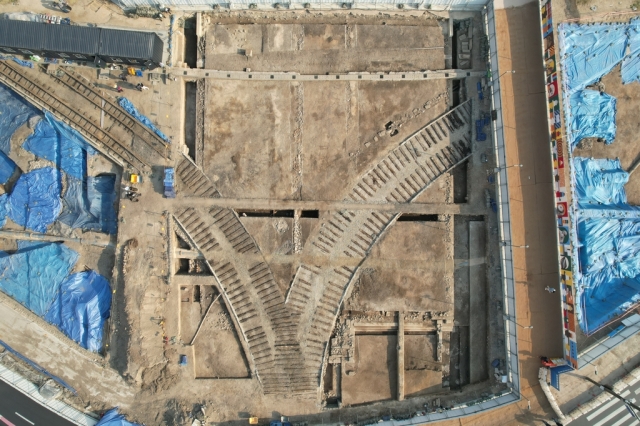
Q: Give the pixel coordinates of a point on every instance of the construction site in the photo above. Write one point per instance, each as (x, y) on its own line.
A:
(294, 214)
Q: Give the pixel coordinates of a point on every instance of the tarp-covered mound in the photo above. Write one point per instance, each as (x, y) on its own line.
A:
(590, 52)
(608, 282)
(630, 69)
(35, 200)
(89, 204)
(599, 181)
(37, 276)
(46, 142)
(113, 418)
(131, 109)
(7, 167)
(34, 272)
(81, 307)
(14, 112)
(591, 115)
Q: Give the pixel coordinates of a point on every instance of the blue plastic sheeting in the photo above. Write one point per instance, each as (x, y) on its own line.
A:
(7, 167)
(33, 274)
(608, 231)
(14, 112)
(47, 143)
(23, 62)
(69, 133)
(113, 418)
(591, 114)
(131, 109)
(590, 51)
(89, 204)
(81, 307)
(630, 68)
(599, 181)
(4, 204)
(35, 201)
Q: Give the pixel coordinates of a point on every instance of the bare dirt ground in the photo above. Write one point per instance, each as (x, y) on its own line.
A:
(292, 141)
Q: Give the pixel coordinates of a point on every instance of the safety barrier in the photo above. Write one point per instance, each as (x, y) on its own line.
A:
(23, 385)
(504, 214)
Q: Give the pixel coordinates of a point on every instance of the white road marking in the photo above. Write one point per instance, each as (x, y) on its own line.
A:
(24, 418)
(613, 414)
(606, 406)
(625, 420)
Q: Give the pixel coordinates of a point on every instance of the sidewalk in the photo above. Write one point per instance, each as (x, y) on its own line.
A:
(533, 210)
(45, 345)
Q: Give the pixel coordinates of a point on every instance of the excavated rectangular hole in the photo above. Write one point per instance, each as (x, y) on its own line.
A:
(410, 217)
(311, 214)
(265, 213)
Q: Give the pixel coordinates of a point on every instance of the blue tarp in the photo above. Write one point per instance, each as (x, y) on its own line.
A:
(591, 114)
(89, 204)
(131, 109)
(4, 205)
(35, 200)
(81, 307)
(69, 133)
(14, 112)
(34, 272)
(599, 181)
(47, 143)
(608, 231)
(113, 418)
(7, 167)
(630, 68)
(23, 62)
(590, 51)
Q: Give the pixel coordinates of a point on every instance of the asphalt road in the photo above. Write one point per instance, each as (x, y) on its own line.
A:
(19, 410)
(612, 412)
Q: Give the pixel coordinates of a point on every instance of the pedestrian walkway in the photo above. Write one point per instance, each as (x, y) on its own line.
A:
(46, 346)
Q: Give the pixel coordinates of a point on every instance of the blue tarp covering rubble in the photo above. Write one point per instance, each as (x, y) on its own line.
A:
(34, 272)
(88, 204)
(608, 231)
(35, 200)
(14, 112)
(131, 109)
(37, 276)
(630, 69)
(591, 115)
(7, 167)
(113, 418)
(80, 307)
(46, 142)
(590, 51)
(607, 227)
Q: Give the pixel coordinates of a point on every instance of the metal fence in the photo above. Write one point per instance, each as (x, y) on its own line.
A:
(314, 4)
(23, 385)
(504, 213)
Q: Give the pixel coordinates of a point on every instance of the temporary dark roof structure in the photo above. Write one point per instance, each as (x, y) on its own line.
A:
(76, 39)
(21, 34)
(130, 44)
